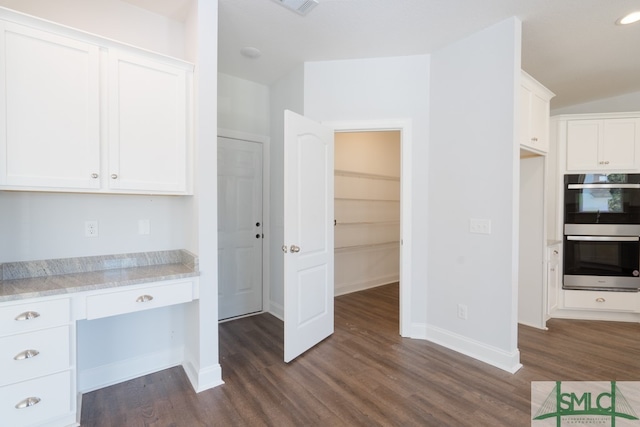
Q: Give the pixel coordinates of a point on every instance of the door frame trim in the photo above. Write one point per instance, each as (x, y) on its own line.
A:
(404, 126)
(266, 222)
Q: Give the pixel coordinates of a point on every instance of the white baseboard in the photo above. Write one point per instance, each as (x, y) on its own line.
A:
(203, 379)
(506, 361)
(416, 331)
(277, 310)
(113, 373)
(347, 288)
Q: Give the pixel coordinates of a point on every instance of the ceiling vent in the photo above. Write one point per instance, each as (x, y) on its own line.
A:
(301, 7)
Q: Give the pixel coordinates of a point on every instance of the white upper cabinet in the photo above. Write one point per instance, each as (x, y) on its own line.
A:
(603, 144)
(86, 114)
(147, 125)
(534, 114)
(49, 110)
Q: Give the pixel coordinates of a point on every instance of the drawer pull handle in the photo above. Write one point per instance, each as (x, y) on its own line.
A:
(29, 401)
(27, 354)
(144, 298)
(600, 299)
(27, 315)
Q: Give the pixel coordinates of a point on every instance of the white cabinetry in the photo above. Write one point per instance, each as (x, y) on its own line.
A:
(49, 110)
(86, 114)
(606, 301)
(37, 380)
(603, 144)
(148, 126)
(534, 114)
(554, 280)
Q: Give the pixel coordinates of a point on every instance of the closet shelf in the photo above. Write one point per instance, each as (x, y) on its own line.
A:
(367, 223)
(390, 245)
(352, 174)
(353, 199)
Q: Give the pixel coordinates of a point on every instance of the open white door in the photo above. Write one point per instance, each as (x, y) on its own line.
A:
(308, 234)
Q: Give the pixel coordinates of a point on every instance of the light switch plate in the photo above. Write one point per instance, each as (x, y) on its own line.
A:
(480, 226)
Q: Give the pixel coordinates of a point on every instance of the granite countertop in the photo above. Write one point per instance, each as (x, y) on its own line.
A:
(33, 279)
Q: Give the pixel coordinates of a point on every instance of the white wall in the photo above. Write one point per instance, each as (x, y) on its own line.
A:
(616, 104)
(473, 173)
(113, 19)
(51, 225)
(286, 94)
(243, 105)
(382, 89)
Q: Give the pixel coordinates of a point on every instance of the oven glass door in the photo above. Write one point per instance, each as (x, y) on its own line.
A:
(602, 199)
(602, 262)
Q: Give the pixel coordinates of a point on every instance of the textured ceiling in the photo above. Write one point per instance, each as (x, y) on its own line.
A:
(572, 46)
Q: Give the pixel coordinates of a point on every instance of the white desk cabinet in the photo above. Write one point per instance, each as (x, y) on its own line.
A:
(37, 377)
(87, 114)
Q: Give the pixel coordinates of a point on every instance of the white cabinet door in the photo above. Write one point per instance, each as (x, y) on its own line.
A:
(583, 138)
(148, 125)
(49, 110)
(553, 278)
(610, 144)
(534, 114)
(620, 143)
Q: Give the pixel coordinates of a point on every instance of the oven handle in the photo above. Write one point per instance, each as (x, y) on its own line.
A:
(605, 238)
(583, 186)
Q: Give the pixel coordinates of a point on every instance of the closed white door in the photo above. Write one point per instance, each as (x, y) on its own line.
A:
(240, 229)
(308, 234)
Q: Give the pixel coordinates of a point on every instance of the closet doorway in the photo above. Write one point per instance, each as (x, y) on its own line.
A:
(403, 128)
(367, 209)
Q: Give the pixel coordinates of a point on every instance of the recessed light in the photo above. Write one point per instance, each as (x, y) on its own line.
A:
(629, 19)
(250, 52)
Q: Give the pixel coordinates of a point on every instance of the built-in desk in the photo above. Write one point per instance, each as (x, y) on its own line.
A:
(45, 304)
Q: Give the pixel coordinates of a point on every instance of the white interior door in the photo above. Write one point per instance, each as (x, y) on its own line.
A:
(239, 227)
(308, 234)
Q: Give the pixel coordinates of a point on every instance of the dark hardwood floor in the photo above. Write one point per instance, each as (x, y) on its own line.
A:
(365, 374)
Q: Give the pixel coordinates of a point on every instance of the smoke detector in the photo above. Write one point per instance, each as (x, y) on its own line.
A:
(301, 7)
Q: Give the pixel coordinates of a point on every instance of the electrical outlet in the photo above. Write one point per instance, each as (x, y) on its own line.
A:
(462, 311)
(480, 226)
(91, 229)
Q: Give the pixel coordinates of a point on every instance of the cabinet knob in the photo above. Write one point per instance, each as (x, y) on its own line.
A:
(27, 354)
(114, 176)
(555, 252)
(606, 162)
(27, 315)
(94, 175)
(144, 298)
(295, 249)
(600, 299)
(29, 401)
(534, 139)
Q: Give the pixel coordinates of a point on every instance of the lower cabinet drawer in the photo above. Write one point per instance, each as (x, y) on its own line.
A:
(594, 300)
(113, 303)
(31, 403)
(34, 354)
(16, 318)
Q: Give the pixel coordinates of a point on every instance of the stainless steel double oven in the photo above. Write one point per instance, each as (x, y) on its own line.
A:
(602, 232)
